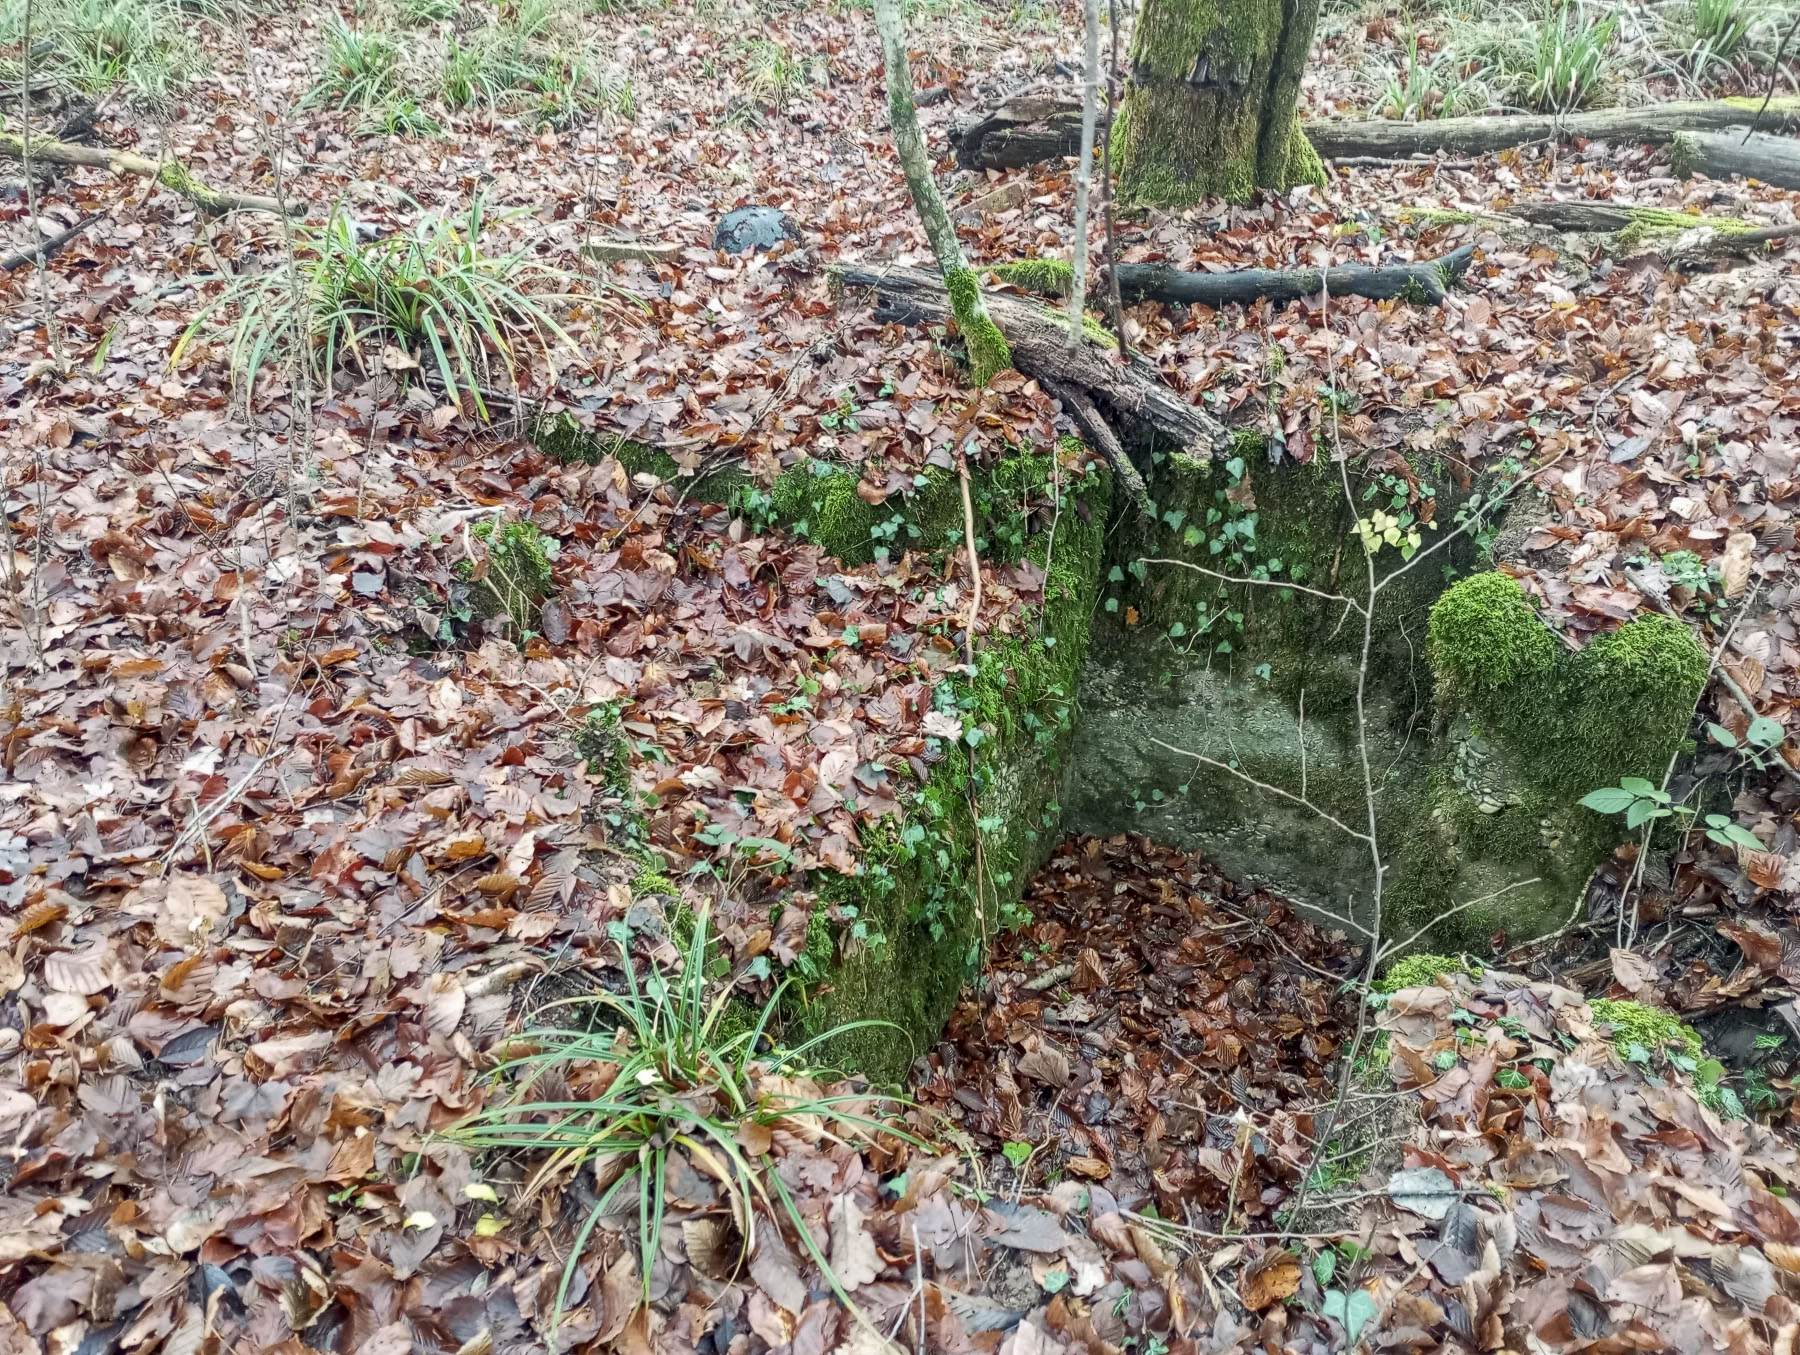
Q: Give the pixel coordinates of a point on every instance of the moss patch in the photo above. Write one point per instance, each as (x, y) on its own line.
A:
(518, 572)
(1413, 971)
(949, 871)
(989, 353)
(1618, 708)
(1046, 277)
(1651, 1028)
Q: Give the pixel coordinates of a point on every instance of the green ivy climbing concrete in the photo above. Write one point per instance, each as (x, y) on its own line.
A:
(1483, 730)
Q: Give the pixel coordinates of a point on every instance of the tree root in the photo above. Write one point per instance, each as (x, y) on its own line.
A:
(171, 174)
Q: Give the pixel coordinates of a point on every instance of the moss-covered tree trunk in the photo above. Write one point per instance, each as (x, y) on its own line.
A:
(1210, 108)
(988, 351)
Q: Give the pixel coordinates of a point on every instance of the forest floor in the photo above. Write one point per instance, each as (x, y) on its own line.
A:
(277, 891)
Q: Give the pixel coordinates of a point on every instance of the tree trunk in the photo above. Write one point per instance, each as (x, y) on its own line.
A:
(1210, 107)
(988, 351)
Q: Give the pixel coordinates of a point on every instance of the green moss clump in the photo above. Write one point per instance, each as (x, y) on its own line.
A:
(1635, 689)
(989, 353)
(1652, 1028)
(1046, 277)
(1485, 637)
(1435, 216)
(1414, 971)
(1576, 722)
(518, 572)
(1303, 162)
(1649, 222)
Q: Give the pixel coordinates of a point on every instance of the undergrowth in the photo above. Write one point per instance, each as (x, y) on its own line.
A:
(664, 1068)
(101, 46)
(433, 291)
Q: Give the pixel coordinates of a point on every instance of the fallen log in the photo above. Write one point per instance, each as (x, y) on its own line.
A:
(1775, 160)
(1026, 131)
(1425, 282)
(1130, 394)
(1678, 236)
(171, 174)
(1654, 123)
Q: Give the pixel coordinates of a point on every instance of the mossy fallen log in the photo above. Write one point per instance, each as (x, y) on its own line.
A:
(1128, 394)
(171, 174)
(1774, 160)
(1026, 131)
(1425, 283)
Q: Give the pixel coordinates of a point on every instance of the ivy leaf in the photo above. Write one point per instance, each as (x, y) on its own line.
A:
(1764, 732)
(1324, 1266)
(1608, 799)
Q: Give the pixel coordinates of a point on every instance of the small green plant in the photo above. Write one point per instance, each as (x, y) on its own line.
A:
(432, 290)
(428, 11)
(1417, 91)
(97, 46)
(362, 67)
(774, 74)
(1572, 62)
(1759, 744)
(1641, 803)
(1719, 32)
(661, 1074)
(402, 118)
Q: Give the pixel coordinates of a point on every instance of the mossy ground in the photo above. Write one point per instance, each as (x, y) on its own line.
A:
(1410, 971)
(1650, 1028)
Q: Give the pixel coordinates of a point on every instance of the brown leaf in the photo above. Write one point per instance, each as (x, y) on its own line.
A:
(1046, 1064)
(1270, 1278)
(1632, 971)
(853, 1254)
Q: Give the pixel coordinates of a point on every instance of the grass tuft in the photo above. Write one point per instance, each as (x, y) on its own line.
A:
(432, 291)
(362, 67)
(98, 46)
(665, 1070)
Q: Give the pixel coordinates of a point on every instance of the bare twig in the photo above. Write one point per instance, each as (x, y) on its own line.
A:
(1084, 170)
(1774, 75)
(1115, 309)
(1264, 786)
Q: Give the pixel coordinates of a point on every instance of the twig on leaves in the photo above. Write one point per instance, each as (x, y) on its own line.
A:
(41, 251)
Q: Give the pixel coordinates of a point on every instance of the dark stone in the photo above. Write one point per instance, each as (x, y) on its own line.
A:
(751, 228)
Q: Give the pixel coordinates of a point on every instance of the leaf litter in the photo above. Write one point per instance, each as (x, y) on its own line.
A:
(278, 892)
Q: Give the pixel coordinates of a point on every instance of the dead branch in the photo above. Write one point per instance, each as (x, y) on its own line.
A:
(1426, 282)
(1026, 131)
(1128, 393)
(170, 174)
(1101, 438)
(45, 248)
